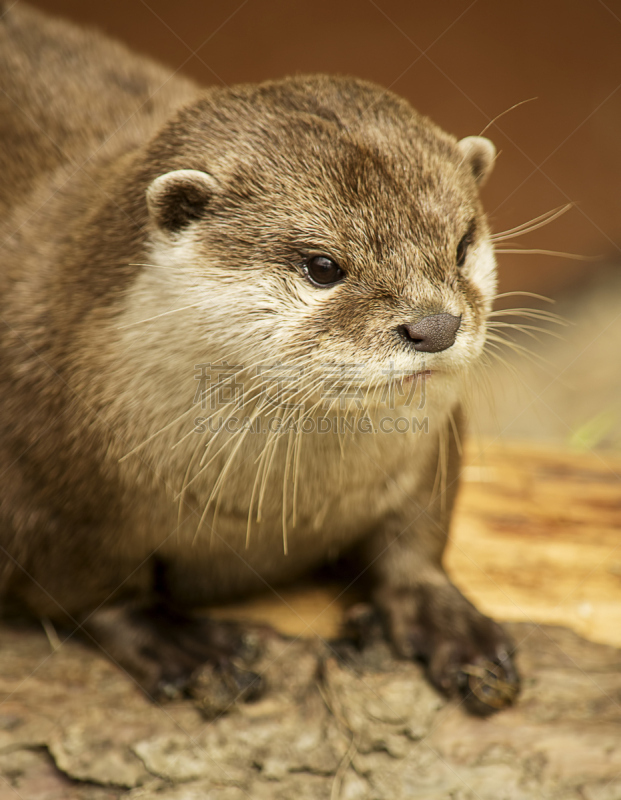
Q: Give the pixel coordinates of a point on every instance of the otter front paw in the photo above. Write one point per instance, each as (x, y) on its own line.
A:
(172, 654)
(466, 654)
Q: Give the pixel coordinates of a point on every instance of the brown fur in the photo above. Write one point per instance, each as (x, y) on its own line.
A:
(294, 167)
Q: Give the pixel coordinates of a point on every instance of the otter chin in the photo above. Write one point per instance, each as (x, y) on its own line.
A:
(216, 305)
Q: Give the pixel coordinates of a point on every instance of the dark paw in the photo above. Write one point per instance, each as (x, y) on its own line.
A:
(466, 654)
(361, 643)
(172, 655)
(362, 625)
(216, 689)
(489, 686)
(484, 676)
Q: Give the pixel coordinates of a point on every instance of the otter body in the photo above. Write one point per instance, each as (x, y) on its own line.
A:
(235, 329)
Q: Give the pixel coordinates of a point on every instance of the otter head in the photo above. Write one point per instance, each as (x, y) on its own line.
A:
(321, 223)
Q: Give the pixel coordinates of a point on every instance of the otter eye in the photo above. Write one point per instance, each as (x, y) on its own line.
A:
(322, 271)
(462, 247)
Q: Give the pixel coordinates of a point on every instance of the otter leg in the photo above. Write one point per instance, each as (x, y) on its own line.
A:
(466, 653)
(172, 654)
(166, 650)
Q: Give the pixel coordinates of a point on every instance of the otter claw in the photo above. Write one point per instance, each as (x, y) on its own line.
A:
(487, 687)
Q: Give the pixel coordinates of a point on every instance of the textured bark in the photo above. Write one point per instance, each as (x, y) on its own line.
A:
(368, 728)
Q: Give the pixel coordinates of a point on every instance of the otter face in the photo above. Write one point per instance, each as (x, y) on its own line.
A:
(328, 230)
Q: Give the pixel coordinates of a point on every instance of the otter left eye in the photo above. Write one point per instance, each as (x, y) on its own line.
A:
(462, 247)
(323, 271)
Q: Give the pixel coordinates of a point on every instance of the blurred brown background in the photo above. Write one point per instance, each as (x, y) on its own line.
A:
(460, 62)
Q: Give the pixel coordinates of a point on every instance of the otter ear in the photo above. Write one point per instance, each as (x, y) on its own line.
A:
(177, 198)
(479, 152)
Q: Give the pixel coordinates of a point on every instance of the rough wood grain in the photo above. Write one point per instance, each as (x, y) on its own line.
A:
(537, 537)
(73, 727)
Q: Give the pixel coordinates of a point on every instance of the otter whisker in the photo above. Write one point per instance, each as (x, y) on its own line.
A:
(158, 316)
(531, 313)
(541, 252)
(458, 442)
(204, 464)
(502, 295)
(216, 489)
(212, 389)
(535, 358)
(181, 494)
(296, 464)
(157, 433)
(270, 449)
(285, 475)
(496, 356)
(532, 225)
(528, 330)
(502, 113)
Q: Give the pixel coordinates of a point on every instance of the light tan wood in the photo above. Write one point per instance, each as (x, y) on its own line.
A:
(536, 537)
(308, 611)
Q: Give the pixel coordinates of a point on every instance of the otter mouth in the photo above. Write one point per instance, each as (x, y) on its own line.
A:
(404, 388)
(415, 376)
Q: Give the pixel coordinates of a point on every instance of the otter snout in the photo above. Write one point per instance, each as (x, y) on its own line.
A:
(431, 334)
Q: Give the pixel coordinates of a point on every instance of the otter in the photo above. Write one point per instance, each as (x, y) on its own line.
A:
(235, 329)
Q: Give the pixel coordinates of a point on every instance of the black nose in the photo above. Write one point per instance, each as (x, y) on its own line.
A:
(432, 334)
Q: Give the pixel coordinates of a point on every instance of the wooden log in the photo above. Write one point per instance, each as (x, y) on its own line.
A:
(537, 537)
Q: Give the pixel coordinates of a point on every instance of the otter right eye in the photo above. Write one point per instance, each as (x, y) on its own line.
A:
(323, 271)
(464, 244)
